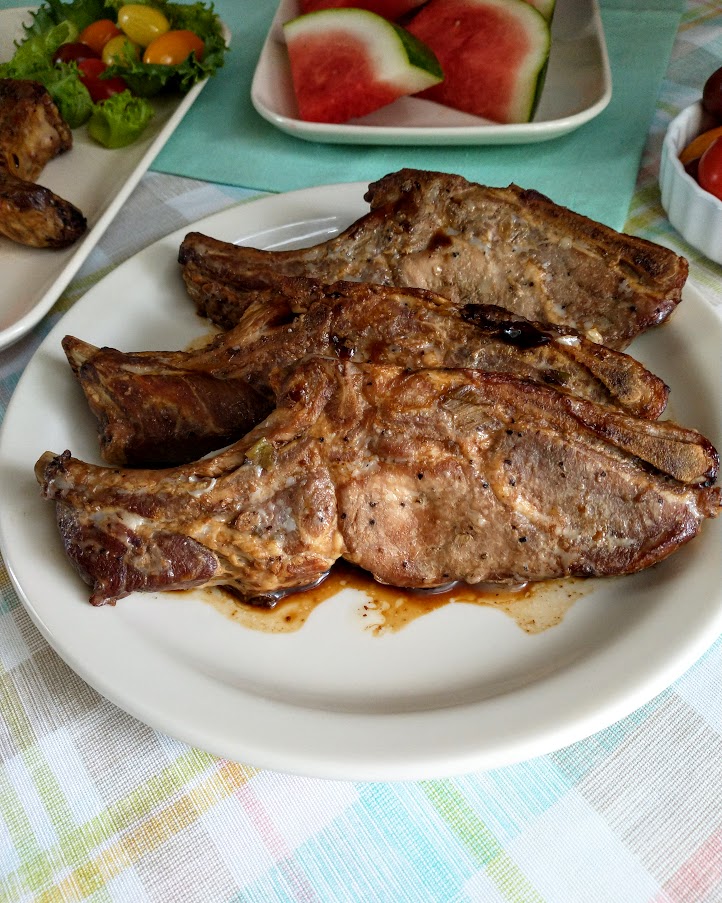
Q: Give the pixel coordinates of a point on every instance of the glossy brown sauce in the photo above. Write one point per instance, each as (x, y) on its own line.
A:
(535, 607)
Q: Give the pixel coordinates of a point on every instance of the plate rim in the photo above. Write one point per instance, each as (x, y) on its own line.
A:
(487, 133)
(353, 766)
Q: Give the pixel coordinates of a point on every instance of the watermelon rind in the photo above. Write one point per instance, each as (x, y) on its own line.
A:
(545, 7)
(469, 80)
(396, 56)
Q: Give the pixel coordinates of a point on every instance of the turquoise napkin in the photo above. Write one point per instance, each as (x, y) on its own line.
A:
(592, 170)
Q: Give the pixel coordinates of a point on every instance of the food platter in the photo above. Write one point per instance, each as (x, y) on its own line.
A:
(460, 689)
(96, 180)
(578, 87)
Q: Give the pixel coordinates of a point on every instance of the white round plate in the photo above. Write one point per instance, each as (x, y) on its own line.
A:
(460, 689)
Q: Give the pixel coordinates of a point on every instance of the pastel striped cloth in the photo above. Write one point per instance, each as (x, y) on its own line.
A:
(95, 805)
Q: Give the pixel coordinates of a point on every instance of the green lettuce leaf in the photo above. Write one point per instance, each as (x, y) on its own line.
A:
(119, 120)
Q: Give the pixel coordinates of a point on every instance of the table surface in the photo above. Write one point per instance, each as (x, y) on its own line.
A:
(96, 805)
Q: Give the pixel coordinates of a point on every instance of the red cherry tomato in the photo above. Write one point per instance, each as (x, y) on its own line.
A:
(102, 88)
(173, 48)
(99, 88)
(91, 68)
(97, 34)
(74, 51)
(710, 169)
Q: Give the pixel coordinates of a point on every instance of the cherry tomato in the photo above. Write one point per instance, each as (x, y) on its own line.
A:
(74, 51)
(102, 88)
(710, 169)
(173, 47)
(712, 94)
(142, 23)
(99, 88)
(120, 50)
(91, 68)
(97, 34)
(699, 145)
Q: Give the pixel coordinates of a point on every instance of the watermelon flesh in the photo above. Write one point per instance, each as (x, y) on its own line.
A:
(389, 9)
(346, 63)
(493, 54)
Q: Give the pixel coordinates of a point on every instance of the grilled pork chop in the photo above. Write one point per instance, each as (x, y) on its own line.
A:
(506, 246)
(159, 408)
(32, 132)
(420, 477)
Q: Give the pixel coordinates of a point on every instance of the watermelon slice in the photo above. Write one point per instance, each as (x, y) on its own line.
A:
(545, 7)
(389, 9)
(346, 63)
(493, 53)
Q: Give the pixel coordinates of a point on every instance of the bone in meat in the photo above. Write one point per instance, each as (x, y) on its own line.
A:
(420, 477)
(160, 408)
(506, 246)
(32, 132)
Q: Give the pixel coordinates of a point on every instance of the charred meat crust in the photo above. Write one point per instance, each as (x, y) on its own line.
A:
(470, 243)
(161, 408)
(420, 477)
(34, 216)
(32, 132)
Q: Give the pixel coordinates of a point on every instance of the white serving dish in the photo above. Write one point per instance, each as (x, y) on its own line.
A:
(96, 180)
(577, 88)
(695, 213)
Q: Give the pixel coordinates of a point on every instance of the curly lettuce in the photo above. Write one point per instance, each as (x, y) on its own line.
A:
(57, 22)
(142, 78)
(33, 60)
(119, 120)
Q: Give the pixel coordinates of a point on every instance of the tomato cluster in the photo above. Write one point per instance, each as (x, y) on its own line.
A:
(141, 33)
(702, 157)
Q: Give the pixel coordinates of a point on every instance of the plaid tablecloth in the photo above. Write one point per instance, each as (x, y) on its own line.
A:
(96, 806)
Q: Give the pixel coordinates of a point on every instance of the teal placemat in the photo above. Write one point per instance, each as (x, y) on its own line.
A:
(592, 170)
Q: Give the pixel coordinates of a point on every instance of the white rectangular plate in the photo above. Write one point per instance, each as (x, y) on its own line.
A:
(578, 87)
(96, 180)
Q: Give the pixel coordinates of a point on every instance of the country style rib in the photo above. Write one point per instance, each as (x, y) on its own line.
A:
(420, 477)
(160, 408)
(510, 247)
(32, 132)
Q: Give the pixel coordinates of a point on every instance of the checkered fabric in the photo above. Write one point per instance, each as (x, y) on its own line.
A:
(95, 805)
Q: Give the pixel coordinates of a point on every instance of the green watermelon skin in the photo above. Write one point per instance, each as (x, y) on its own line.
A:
(389, 9)
(545, 7)
(493, 54)
(346, 63)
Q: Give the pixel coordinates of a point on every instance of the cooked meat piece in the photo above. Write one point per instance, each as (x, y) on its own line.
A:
(158, 408)
(420, 477)
(35, 216)
(506, 246)
(32, 131)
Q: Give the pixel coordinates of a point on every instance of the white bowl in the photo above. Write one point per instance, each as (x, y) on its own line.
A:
(695, 213)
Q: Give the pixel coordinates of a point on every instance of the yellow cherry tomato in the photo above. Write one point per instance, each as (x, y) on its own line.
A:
(97, 34)
(173, 48)
(120, 50)
(142, 23)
